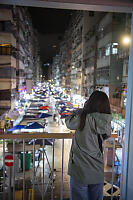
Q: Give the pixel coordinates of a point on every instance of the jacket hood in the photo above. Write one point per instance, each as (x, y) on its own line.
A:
(101, 122)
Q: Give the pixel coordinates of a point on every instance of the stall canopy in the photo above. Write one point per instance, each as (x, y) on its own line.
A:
(34, 125)
(44, 115)
(61, 103)
(17, 127)
(65, 113)
(40, 141)
(64, 116)
(45, 107)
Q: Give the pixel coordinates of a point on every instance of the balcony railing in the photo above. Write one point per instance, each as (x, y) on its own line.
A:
(8, 184)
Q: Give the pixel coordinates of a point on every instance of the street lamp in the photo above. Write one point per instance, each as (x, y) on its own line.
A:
(126, 40)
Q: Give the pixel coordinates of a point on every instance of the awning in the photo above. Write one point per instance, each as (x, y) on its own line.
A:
(45, 107)
(44, 115)
(17, 127)
(34, 125)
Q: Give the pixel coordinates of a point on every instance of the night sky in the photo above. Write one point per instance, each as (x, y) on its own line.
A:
(48, 20)
(50, 24)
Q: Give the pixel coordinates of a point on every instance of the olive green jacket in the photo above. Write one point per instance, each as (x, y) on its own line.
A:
(86, 163)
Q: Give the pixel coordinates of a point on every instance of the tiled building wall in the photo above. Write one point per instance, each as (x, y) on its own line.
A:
(95, 41)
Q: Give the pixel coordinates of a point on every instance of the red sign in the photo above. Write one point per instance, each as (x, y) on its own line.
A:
(9, 160)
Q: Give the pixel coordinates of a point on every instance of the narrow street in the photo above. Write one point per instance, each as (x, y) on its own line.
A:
(59, 127)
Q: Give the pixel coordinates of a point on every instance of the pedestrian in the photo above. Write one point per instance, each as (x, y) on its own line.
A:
(54, 117)
(86, 162)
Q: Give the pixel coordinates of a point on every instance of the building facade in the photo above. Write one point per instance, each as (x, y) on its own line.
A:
(93, 60)
(8, 59)
(18, 55)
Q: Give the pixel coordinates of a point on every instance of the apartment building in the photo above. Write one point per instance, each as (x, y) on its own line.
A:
(8, 60)
(95, 44)
(123, 55)
(90, 40)
(109, 70)
(37, 63)
(77, 53)
(24, 49)
(68, 56)
(17, 55)
(67, 66)
(55, 72)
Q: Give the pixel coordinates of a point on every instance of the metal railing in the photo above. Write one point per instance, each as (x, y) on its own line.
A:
(8, 186)
(8, 190)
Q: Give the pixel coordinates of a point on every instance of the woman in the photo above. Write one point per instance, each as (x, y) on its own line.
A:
(86, 163)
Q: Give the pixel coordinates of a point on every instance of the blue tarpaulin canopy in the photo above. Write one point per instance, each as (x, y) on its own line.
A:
(17, 127)
(61, 102)
(49, 141)
(63, 109)
(34, 125)
(40, 141)
(44, 115)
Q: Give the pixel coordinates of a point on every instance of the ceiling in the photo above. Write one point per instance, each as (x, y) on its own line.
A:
(92, 5)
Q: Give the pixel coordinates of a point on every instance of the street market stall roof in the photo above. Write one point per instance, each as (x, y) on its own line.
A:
(44, 115)
(17, 127)
(34, 125)
(45, 107)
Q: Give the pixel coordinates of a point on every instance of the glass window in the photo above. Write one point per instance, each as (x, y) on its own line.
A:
(5, 26)
(5, 49)
(8, 26)
(107, 51)
(99, 53)
(2, 26)
(115, 48)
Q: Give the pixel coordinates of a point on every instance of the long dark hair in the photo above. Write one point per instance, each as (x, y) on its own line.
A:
(98, 102)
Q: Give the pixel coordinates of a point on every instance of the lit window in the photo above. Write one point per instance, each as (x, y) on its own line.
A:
(5, 49)
(107, 51)
(115, 44)
(115, 48)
